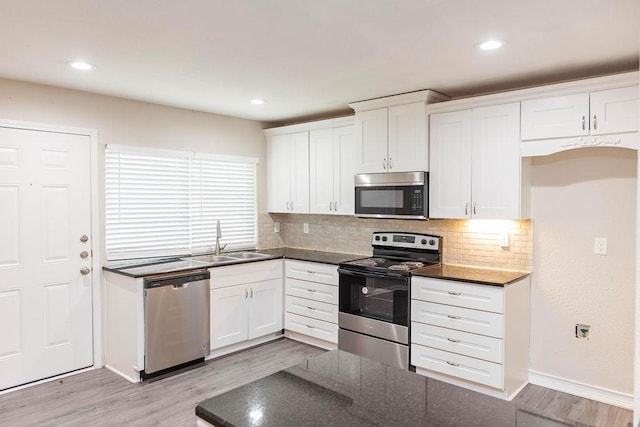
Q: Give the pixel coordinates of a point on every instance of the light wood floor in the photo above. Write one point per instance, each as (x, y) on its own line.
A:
(101, 398)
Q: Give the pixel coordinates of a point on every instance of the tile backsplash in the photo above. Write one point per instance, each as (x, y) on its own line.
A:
(465, 242)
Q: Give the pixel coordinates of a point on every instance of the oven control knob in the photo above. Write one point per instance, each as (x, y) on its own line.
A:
(365, 290)
(377, 237)
(424, 241)
(384, 238)
(432, 242)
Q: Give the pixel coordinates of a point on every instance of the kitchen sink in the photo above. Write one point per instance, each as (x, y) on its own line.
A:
(248, 255)
(211, 258)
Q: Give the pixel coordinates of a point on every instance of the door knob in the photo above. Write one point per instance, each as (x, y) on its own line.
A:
(85, 270)
(84, 254)
(84, 238)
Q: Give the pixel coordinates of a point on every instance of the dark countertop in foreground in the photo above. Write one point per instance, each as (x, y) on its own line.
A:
(337, 388)
(135, 269)
(471, 274)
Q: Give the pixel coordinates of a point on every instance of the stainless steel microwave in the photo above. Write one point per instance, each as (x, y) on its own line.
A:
(401, 195)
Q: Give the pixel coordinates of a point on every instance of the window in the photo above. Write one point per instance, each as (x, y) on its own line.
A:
(163, 203)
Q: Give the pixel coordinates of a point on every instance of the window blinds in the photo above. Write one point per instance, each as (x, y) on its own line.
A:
(164, 203)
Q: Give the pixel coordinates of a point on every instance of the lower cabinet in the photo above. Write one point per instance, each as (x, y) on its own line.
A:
(246, 302)
(311, 303)
(471, 335)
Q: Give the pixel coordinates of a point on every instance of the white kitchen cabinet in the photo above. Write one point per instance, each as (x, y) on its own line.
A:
(332, 154)
(288, 172)
(596, 113)
(472, 335)
(476, 168)
(311, 303)
(391, 132)
(246, 304)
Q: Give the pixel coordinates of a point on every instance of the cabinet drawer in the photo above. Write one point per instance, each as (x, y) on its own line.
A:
(312, 290)
(312, 271)
(312, 327)
(477, 297)
(464, 343)
(462, 319)
(468, 368)
(310, 308)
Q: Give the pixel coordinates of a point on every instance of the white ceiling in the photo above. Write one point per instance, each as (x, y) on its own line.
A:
(310, 57)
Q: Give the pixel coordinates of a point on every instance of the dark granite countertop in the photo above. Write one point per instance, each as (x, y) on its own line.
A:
(337, 388)
(461, 273)
(142, 268)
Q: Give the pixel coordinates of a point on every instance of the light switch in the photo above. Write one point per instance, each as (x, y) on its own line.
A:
(305, 228)
(600, 246)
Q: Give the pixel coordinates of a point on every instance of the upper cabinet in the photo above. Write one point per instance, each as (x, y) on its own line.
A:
(331, 169)
(476, 170)
(390, 132)
(288, 172)
(310, 167)
(596, 113)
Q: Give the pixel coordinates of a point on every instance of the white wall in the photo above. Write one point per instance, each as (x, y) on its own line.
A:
(577, 196)
(127, 122)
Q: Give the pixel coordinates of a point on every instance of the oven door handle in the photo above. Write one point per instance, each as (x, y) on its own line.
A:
(372, 274)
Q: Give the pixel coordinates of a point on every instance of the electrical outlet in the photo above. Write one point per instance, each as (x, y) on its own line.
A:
(582, 330)
(600, 246)
(276, 227)
(504, 240)
(305, 228)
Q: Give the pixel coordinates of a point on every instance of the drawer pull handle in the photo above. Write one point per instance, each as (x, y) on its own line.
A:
(452, 340)
(310, 327)
(450, 316)
(311, 272)
(454, 293)
(310, 308)
(452, 364)
(311, 290)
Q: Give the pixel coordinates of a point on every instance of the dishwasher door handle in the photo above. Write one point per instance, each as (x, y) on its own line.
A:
(180, 286)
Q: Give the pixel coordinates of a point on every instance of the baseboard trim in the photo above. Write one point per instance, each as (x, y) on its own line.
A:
(576, 388)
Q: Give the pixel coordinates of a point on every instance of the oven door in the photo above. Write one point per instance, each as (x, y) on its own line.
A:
(374, 304)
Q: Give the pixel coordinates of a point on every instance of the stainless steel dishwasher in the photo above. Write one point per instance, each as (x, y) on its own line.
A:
(176, 314)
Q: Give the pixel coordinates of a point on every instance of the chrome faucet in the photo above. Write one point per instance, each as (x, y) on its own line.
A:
(218, 248)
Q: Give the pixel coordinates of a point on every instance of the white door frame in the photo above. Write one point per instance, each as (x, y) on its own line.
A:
(96, 237)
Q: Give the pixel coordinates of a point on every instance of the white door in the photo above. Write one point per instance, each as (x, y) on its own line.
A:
(279, 160)
(299, 169)
(265, 313)
(371, 134)
(495, 165)
(408, 138)
(450, 169)
(45, 300)
(229, 317)
(345, 152)
(321, 171)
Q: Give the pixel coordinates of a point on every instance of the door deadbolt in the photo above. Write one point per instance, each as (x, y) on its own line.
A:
(84, 238)
(84, 254)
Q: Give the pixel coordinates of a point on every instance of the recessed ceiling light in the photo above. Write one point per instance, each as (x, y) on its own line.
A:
(81, 65)
(490, 45)
(258, 101)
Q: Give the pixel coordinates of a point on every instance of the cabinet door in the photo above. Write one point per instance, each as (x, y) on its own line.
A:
(407, 138)
(265, 307)
(495, 164)
(450, 169)
(344, 168)
(555, 117)
(321, 171)
(299, 172)
(614, 110)
(278, 164)
(371, 137)
(229, 320)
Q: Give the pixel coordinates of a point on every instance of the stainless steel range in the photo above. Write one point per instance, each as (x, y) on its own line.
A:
(374, 295)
